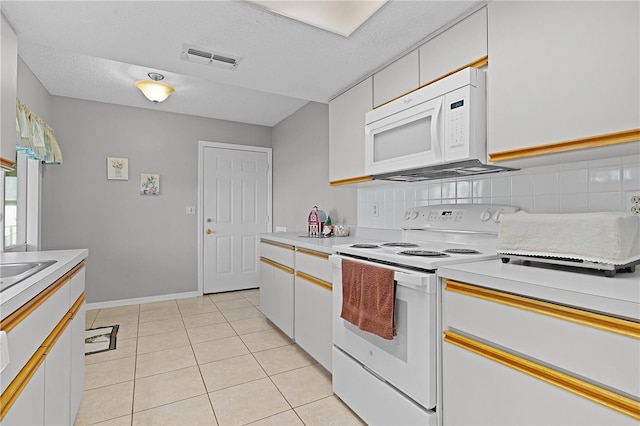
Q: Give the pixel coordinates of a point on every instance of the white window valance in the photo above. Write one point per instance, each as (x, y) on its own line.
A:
(34, 137)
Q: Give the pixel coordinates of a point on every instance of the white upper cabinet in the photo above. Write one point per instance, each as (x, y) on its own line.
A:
(461, 45)
(396, 79)
(346, 132)
(560, 72)
(8, 80)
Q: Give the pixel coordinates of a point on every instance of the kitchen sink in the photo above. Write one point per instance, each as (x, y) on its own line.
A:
(12, 273)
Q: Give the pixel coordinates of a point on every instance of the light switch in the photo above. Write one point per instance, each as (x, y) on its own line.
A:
(191, 210)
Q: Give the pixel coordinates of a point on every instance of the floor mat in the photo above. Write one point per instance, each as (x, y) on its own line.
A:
(101, 339)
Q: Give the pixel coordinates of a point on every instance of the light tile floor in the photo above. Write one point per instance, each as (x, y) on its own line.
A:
(211, 360)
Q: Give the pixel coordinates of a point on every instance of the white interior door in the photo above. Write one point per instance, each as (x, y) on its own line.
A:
(235, 208)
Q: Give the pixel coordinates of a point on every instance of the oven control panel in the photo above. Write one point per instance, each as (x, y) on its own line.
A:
(445, 215)
(473, 217)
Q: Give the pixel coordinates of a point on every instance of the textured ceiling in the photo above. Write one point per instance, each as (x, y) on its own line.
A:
(97, 50)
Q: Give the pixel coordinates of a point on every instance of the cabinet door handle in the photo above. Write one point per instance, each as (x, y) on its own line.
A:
(314, 280)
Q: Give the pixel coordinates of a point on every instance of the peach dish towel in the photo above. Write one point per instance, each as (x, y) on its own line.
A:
(368, 298)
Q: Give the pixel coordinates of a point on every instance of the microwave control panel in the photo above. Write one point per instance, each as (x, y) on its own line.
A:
(457, 118)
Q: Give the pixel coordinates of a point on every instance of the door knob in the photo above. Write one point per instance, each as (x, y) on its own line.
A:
(208, 231)
(209, 219)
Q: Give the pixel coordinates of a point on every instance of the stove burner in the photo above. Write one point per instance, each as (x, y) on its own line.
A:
(365, 246)
(423, 253)
(462, 251)
(400, 244)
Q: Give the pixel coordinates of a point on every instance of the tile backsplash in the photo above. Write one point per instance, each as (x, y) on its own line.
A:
(587, 186)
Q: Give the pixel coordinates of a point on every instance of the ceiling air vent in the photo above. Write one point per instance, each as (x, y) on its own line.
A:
(202, 56)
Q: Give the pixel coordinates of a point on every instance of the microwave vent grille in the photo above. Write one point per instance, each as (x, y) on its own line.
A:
(442, 171)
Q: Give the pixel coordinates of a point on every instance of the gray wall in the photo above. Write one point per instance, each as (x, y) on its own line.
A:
(145, 246)
(301, 171)
(32, 92)
(139, 246)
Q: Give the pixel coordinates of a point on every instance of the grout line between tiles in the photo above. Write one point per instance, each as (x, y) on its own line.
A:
(236, 334)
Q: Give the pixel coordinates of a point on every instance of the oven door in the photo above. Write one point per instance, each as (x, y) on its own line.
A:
(405, 139)
(408, 362)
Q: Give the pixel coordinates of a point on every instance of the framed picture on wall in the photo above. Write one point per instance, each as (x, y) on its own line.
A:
(149, 184)
(117, 168)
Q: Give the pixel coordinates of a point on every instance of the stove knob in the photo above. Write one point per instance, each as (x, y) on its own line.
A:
(414, 214)
(407, 215)
(485, 215)
(496, 216)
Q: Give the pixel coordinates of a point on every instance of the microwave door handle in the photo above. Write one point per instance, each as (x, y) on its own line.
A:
(436, 130)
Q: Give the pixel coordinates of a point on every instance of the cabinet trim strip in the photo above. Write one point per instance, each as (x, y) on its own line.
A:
(319, 254)
(25, 310)
(603, 322)
(7, 164)
(273, 243)
(348, 181)
(314, 280)
(607, 139)
(22, 379)
(478, 63)
(613, 400)
(276, 265)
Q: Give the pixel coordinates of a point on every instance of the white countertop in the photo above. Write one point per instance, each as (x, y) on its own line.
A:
(321, 244)
(619, 295)
(17, 295)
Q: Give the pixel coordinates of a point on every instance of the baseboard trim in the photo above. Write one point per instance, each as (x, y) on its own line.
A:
(140, 300)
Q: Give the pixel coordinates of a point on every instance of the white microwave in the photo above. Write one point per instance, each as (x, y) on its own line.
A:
(441, 123)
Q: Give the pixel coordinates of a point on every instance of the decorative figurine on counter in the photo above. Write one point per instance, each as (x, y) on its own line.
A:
(327, 229)
(315, 222)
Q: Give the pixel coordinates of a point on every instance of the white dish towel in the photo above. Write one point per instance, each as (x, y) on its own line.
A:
(606, 237)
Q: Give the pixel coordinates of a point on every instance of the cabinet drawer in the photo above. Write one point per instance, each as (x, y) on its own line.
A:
(586, 344)
(280, 253)
(29, 326)
(313, 263)
(76, 284)
(482, 390)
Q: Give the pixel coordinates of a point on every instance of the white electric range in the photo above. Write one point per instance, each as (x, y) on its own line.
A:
(395, 381)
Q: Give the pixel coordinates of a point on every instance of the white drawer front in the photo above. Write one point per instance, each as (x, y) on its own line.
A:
(27, 336)
(281, 253)
(606, 357)
(314, 263)
(479, 391)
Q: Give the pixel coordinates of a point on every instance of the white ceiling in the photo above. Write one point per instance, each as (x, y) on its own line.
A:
(97, 50)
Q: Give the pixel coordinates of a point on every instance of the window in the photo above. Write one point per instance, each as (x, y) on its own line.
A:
(10, 208)
(21, 201)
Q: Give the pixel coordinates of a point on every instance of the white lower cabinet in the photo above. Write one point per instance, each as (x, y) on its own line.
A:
(313, 305)
(509, 359)
(77, 359)
(25, 411)
(44, 381)
(57, 381)
(480, 391)
(276, 284)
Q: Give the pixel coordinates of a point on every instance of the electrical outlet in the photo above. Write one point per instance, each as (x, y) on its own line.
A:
(632, 202)
(374, 209)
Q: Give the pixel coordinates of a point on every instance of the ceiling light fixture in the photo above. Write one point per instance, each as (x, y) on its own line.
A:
(154, 89)
(340, 17)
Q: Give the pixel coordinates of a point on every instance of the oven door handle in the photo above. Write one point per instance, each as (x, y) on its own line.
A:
(374, 374)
